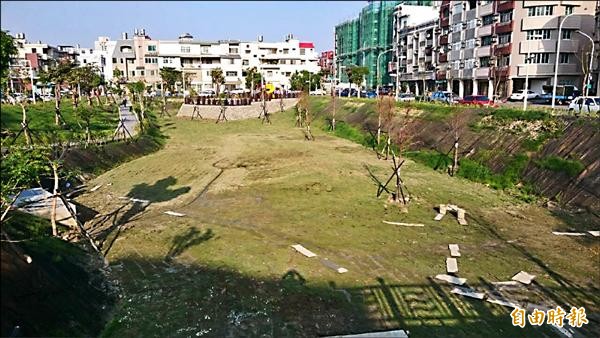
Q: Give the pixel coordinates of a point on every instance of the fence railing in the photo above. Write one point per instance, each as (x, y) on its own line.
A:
(238, 100)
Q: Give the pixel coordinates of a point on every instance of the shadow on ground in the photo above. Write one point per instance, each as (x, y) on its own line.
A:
(159, 191)
(187, 299)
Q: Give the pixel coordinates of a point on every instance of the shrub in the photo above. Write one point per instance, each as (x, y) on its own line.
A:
(558, 164)
(430, 158)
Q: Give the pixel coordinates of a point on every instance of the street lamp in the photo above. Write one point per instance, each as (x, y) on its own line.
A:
(556, 61)
(378, 56)
(589, 79)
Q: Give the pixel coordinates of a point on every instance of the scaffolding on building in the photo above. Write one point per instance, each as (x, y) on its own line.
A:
(360, 41)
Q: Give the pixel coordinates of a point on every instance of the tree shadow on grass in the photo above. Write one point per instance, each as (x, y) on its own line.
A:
(159, 191)
(190, 238)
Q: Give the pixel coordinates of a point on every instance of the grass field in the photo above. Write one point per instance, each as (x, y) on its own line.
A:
(41, 121)
(249, 191)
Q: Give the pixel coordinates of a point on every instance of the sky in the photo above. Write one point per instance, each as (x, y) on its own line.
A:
(82, 22)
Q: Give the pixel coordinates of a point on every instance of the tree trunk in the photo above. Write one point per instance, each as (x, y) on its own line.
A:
(141, 97)
(455, 162)
(88, 135)
(97, 92)
(24, 125)
(57, 104)
(74, 97)
(89, 99)
(333, 114)
(54, 198)
(379, 129)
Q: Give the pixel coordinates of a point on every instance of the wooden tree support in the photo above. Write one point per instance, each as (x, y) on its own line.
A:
(122, 130)
(281, 104)
(196, 112)
(400, 188)
(265, 113)
(222, 116)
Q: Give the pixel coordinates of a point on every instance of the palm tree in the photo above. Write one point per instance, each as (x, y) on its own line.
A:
(217, 78)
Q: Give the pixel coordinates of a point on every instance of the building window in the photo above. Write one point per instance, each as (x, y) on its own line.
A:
(185, 49)
(152, 48)
(484, 61)
(121, 61)
(457, 9)
(456, 45)
(569, 10)
(286, 51)
(488, 19)
(539, 34)
(245, 62)
(270, 73)
(84, 61)
(504, 38)
(486, 40)
(470, 44)
(506, 16)
(539, 58)
(457, 27)
(233, 50)
(231, 61)
(302, 62)
(115, 60)
(302, 51)
(566, 34)
(472, 24)
(204, 50)
(230, 73)
(469, 64)
(456, 65)
(247, 51)
(151, 72)
(288, 73)
(133, 73)
(564, 58)
(540, 10)
(504, 61)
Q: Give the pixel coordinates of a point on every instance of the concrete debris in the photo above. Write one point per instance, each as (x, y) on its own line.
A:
(508, 283)
(135, 200)
(405, 224)
(454, 250)
(451, 279)
(333, 266)
(304, 251)
(173, 213)
(468, 293)
(380, 334)
(460, 213)
(503, 302)
(451, 265)
(523, 277)
(28, 259)
(38, 201)
(568, 233)
(595, 233)
(96, 188)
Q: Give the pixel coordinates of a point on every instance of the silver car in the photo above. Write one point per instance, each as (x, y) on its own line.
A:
(590, 104)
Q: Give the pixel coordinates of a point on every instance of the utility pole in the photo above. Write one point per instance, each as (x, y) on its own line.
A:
(556, 61)
(589, 77)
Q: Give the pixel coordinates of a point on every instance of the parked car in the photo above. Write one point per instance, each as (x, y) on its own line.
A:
(477, 100)
(585, 105)
(520, 95)
(564, 93)
(317, 92)
(239, 91)
(371, 94)
(207, 93)
(405, 97)
(445, 97)
(346, 92)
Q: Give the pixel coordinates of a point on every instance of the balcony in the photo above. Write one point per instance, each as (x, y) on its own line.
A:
(443, 58)
(445, 22)
(501, 72)
(505, 6)
(441, 75)
(504, 27)
(484, 30)
(484, 51)
(503, 49)
(444, 39)
(538, 46)
(547, 22)
(486, 9)
(483, 72)
(546, 69)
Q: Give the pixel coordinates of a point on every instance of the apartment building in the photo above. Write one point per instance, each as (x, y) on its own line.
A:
(414, 37)
(277, 61)
(484, 45)
(326, 61)
(37, 54)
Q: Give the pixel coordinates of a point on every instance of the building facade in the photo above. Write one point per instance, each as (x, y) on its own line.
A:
(326, 61)
(484, 45)
(414, 47)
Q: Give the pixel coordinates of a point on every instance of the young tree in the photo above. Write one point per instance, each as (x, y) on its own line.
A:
(357, 75)
(59, 75)
(7, 50)
(169, 77)
(456, 126)
(385, 110)
(253, 78)
(217, 78)
(137, 89)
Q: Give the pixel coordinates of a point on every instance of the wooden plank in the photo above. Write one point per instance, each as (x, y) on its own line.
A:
(333, 266)
(503, 302)
(595, 233)
(508, 283)
(468, 293)
(380, 334)
(523, 277)
(96, 188)
(451, 279)
(451, 265)
(454, 250)
(405, 224)
(304, 250)
(173, 213)
(438, 217)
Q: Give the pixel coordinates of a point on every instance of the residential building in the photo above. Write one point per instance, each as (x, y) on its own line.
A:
(326, 61)
(414, 46)
(483, 45)
(277, 61)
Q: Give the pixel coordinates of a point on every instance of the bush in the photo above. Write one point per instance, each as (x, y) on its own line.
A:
(558, 164)
(348, 132)
(510, 114)
(430, 158)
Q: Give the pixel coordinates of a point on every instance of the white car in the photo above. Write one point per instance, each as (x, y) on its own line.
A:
(585, 104)
(405, 97)
(318, 92)
(520, 95)
(207, 93)
(239, 91)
